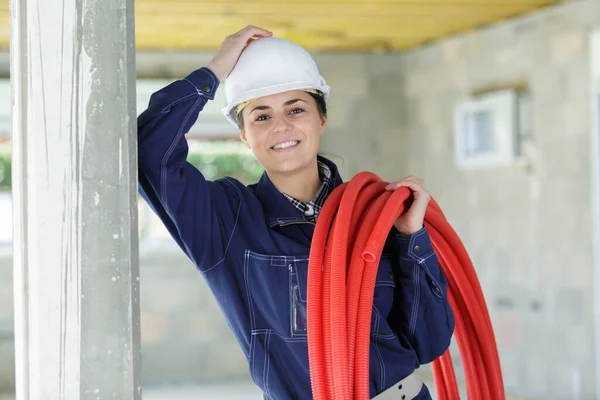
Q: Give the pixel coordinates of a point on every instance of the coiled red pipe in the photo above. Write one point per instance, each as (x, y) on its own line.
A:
(346, 248)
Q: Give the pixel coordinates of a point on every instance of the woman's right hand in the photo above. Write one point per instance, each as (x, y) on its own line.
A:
(229, 52)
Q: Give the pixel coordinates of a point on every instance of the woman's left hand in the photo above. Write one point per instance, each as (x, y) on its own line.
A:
(411, 221)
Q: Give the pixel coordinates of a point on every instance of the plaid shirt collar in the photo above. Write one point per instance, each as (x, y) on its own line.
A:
(312, 208)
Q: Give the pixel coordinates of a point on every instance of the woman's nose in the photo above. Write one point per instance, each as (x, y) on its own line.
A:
(282, 124)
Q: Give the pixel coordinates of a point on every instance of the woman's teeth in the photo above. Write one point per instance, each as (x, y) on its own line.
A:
(286, 144)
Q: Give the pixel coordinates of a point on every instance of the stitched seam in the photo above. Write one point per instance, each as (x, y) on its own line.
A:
(297, 339)
(403, 238)
(300, 339)
(428, 272)
(252, 358)
(283, 259)
(376, 319)
(429, 256)
(285, 220)
(415, 310)
(377, 352)
(389, 336)
(417, 258)
(179, 100)
(412, 245)
(262, 331)
(389, 284)
(266, 366)
(196, 87)
(381, 366)
(248, 298)
(211, 77)
(291, 300)
(168, 154)
(230, 238)
(193, 84)
(252, 323)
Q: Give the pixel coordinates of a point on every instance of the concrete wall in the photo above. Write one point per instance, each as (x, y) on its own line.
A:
(527, 227)
(182, 326)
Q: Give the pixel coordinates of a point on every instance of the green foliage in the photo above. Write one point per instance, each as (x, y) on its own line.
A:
(214, 159)
(5, 173)
(240, 165)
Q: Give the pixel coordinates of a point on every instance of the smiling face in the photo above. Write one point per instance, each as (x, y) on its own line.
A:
(283, 131)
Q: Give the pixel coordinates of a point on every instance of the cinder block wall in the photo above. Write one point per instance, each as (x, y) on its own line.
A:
(527, 227)
(184, 335)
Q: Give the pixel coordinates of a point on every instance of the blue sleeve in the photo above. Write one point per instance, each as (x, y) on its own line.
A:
(200, 215)
(424, 316)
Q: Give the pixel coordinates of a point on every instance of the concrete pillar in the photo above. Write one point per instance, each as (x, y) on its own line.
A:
(76, 273)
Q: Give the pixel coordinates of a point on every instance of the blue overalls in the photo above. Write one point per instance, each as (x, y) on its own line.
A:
(252, 246)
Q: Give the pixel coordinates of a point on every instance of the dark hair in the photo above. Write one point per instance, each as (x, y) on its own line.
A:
(319, 99)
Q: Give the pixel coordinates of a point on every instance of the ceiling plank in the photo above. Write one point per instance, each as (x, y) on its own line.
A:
(319, 25)
(288, 11)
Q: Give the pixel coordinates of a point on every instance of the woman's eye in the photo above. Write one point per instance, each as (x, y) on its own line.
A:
(297, 110)
(262, 118)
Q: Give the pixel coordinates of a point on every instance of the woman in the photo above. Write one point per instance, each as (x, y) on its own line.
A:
(251, 243)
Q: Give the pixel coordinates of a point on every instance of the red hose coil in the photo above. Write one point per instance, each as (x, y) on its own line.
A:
(346, 248)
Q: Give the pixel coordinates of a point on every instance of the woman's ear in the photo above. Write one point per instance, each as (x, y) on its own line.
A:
(323, 123)
(243, 138)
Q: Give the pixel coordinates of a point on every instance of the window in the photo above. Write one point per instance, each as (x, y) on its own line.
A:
(486, 130)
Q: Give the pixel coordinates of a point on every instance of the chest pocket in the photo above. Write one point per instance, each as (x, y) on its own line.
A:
(277, 293)
(276, 287)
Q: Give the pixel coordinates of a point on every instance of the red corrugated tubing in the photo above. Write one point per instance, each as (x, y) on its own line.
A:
(346, 248)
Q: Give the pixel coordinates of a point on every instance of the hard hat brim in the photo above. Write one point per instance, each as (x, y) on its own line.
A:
(271, 90)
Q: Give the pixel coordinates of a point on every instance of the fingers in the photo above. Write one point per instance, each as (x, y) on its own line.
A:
(245, 36)
(416, 185)
(412, 219)
(228, 53)
(410, 181)
(240, 39)
(415, 179)
(253, 31)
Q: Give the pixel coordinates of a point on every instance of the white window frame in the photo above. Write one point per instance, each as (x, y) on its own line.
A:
(503, 104)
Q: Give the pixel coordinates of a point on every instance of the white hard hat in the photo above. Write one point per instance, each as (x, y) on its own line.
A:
(269, 66)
